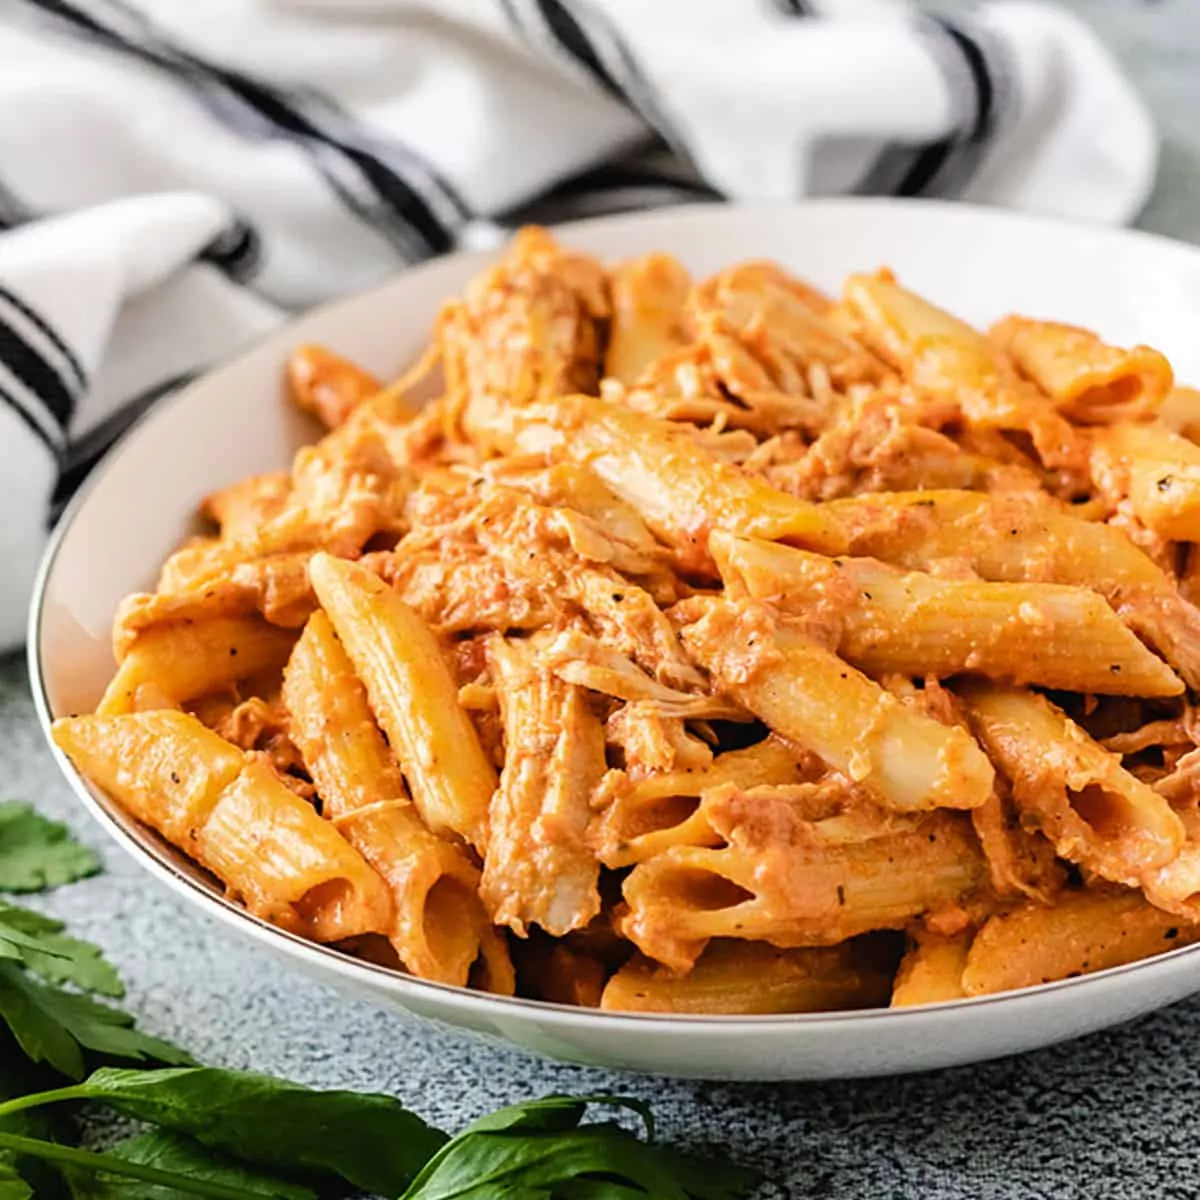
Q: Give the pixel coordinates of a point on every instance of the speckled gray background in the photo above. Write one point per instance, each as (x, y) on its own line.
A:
(1115, 1114)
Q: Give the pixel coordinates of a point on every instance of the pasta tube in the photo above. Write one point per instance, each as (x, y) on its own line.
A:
(916, 624)
(1180, 412)
(799, 883)
(1013, 539)
(233, 814)
(1086, 379)
(538, 869)
(1094, 811)
(413, 695)
(932, 970)
(1158, 471)
(814, 699)
(1085, 931)
(648, 296)
(642, 818)
(734, 977)
(439, 920)
(165, 665)
(946, 358)
(681, 490)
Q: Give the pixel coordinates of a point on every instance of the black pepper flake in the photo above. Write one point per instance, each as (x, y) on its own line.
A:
(841, 894)
(923, 503)
(844, 675)
(233, 652)
(1171, 934)
(867, 595)
(1115, 668)
(618, 596)
(174, 777)
(1165, 483)
(1013, 532)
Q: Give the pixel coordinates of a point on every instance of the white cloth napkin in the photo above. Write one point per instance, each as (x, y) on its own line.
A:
(176, 177)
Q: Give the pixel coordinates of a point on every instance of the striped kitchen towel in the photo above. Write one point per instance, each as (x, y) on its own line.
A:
(176, 177)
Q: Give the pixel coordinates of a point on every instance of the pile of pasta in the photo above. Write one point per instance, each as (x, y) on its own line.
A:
(706, 646)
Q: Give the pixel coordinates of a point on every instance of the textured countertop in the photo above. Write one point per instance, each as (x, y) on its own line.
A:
(1114, 1114)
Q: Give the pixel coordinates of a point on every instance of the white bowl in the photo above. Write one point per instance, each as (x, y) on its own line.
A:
(138, 505)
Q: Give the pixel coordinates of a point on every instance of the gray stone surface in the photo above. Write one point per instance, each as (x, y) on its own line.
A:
(1110, 1115)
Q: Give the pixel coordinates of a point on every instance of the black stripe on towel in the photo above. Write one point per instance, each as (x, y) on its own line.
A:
(8, 400)
(570, 35)
(584, 34)
(38, 375)
(973, 71)
(351, 159)
(74, 367)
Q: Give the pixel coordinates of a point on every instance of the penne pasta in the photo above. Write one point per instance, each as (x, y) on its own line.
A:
(167, 664)
(648, 296)
(539, 869)
(748, 978)
(1086, 379)
(931, 970)
(638, 819)
(675, 658)
(1013, 539)
(1157, 471)
(816, 700)
(231, 813)
(438, 922)
(944, 358)
(791, 882)
(1094, 811)
(1180, 412)
(680, 490)
(910, 623)
(414, 698)
(1084, 931)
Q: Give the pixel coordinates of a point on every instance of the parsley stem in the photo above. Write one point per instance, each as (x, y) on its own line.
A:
(92, 1161)
(37, 1099)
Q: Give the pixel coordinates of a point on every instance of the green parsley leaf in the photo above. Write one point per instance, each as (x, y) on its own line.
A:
(189, 1160)
(370, 1141)
(541, 1151)
(12, 1186)
(36, 853)
(37, 942)
(56, 1027)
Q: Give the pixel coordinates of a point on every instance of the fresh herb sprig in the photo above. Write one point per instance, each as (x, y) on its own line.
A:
(236, 1135)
